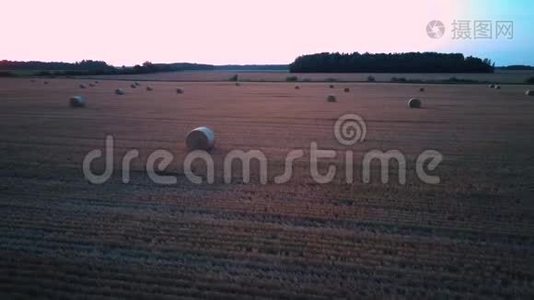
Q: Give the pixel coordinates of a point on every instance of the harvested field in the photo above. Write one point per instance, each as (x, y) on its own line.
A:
(500, 76)
(472, 235)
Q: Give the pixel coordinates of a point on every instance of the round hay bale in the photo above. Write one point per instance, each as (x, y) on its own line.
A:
(133, 86)
(149, 88)
(179, 91)
(297, 87)
(331, 98)
(491, 86)
(119, 92)
(422, 89)
(82, 86)
(331, 86)
(77, 101)
(201, 138)
(347, 90)
(137, 83)
(414, 103)
(529, 93)
(497, 87)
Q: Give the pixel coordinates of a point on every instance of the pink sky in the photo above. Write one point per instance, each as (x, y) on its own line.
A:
(219, 32)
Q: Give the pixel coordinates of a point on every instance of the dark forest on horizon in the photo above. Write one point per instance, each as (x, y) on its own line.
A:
(413, 62)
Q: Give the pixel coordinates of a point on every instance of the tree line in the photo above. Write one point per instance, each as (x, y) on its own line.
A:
(91, 67)
(84, 65)
(413, 62)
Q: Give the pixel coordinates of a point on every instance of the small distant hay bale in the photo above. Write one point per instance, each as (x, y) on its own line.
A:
(491, 86)
(82, 86)
(96, 82)
(133, 86)
(422, 89)
(497, 87)
(179, 91)
(201, 138)
(119, 92)
(77, 101)
(292, 78)
(91, 85)
(331, 86)
(149, 88)
(347, 90)
(297, 87)
(331, 98)
(529, 93)
(137, 83)
(414, 103)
